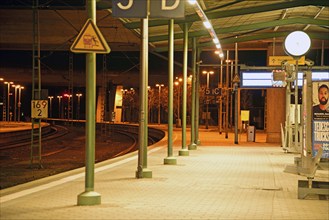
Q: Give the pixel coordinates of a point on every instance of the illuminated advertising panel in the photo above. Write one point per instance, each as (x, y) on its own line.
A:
(264, 79)
(320, 119)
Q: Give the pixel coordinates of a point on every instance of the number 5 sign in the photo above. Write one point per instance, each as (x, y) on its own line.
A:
(39, 108)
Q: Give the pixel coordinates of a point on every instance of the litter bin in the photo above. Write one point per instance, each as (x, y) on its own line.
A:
(251, 134)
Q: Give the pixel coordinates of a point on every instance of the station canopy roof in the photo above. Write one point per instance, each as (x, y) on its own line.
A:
(254, 24)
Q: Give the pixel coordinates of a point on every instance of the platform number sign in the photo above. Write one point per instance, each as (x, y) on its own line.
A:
(39, 108)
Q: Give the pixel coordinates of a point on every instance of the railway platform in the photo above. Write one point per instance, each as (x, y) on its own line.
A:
(14, 126)
(218, 180)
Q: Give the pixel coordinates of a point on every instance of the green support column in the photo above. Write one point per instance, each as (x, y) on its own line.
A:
(236, 80)
(197, 98)
(192, 145)
(306, 121)
(90, 197)
(142, 171)
(296, 109)
(184, 151)
(170, 159)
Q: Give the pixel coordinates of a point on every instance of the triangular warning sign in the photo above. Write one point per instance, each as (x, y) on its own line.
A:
(90, 40)
(236, 79)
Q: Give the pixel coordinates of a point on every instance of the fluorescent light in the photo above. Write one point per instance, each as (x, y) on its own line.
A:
(192, 2)
(207, 24)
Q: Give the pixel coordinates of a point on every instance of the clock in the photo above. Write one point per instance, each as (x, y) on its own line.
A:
(297, 44)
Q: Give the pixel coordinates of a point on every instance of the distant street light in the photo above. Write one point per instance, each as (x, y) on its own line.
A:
(15, 102)
(177, 83)
(124, 91)
(50, 105)
(19, 102)
(59, 106)
(207, 102)
(69, 96)
(2, 79)
(78, 112)
(8, 100)
(149, 90)
(159, 85)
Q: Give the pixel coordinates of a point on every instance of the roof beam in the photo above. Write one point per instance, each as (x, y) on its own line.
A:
(284, 14)
(263, 36)
(248, 27)
(317, 15)
(256, 37)
(235, 12)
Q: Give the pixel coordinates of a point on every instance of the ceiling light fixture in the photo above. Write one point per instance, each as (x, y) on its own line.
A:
(208, 25)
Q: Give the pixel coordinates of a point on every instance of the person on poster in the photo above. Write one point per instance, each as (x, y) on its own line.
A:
(323, 95)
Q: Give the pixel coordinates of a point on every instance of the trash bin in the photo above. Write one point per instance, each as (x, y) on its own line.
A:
(251, 134)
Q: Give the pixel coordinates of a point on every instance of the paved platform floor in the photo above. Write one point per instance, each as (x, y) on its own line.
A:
(219, 180)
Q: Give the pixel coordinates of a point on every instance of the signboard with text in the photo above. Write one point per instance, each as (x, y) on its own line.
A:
(39, 108)
(158, 8)
(129, 8)
(213, 92)
(277, 60)
(320, 119)
(167, 9)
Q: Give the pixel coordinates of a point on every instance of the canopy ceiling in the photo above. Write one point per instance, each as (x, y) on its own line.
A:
(252, 23)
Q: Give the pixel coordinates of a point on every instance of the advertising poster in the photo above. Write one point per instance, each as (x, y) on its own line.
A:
(320, 113)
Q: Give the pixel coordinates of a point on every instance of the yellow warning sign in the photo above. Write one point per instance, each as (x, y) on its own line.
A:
(244, 115)
(277, 60)
(90, 40)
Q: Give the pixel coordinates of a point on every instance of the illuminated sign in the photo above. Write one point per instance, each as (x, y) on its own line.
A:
(264, 79)
(277, 60)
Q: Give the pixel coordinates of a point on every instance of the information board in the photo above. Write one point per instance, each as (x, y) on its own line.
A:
(39, 108)
(320, 125)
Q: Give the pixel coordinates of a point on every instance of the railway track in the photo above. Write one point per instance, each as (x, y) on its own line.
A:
(63, 149)
(21, 140)
(55, 132)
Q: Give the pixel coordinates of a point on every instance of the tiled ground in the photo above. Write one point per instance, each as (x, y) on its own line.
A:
(219, 180)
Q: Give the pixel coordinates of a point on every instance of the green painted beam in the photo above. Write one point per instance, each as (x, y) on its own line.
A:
(248, 27)
(319, 36)
(262, 36)
(236, 12)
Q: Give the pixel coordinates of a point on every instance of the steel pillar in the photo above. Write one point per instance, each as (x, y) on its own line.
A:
(170, 159)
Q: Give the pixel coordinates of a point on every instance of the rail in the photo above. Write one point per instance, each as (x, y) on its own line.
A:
(55, 128)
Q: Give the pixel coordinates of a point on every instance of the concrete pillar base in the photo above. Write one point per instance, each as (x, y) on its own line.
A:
(145, 173)
(183, 152)
(192, 146)
(89, 198)
(170, 161)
